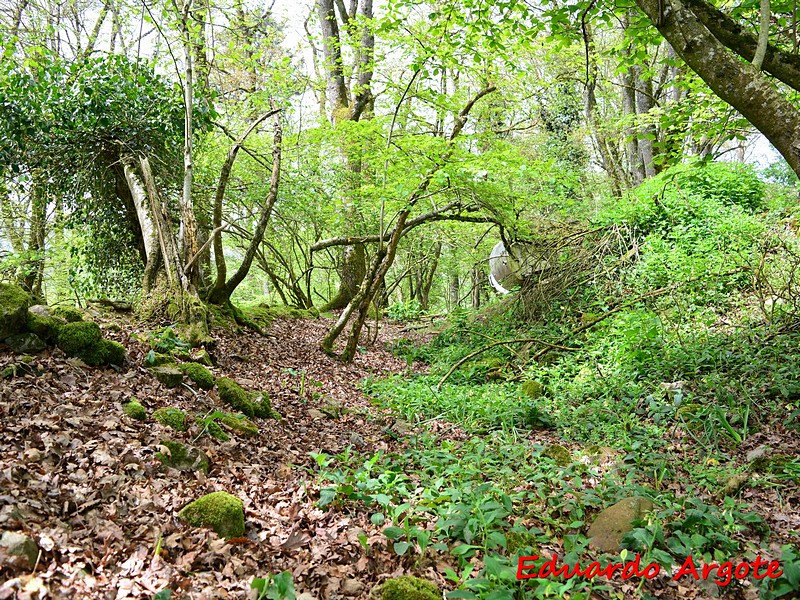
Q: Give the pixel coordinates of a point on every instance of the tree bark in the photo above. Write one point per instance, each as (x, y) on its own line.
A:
(737, 83)
(222, 290)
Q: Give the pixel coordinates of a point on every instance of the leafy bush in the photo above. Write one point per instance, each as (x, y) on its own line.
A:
(405, 311)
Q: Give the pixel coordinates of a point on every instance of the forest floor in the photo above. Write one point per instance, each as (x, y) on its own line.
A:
(82, 479)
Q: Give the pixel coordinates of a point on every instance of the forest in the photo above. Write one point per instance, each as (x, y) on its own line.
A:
(399, 300)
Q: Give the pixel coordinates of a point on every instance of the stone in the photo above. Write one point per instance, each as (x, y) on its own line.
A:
(614, 522)
(76, 338)
(17, 549)
(43, 324)
(758, 458)
(240, 424)
(69, 313)
(157, 359)
(220, 511)
(25, 343)
(252, 404)
(168, 375)
(316, 414)
(198, 375)
(183, 457)
(532, 389)
(407, 587)
(135, 410)
(202, 356)
(14, 303)
(171, 417)
(560, 455)
(734, 484)
(352, 587)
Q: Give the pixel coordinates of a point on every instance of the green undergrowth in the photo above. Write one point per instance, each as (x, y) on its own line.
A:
(653, 373)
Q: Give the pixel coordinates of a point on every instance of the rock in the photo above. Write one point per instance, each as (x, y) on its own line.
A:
(76, 338)
(315, 414)
(532, 389)
(14, 303)
(220, 511)
(43, 324)
(135, 410)
(407, 587)
(69, 313)
(357, 440)
(758, 457)
(168, 375)
(25, 343)
(734, 484)
(18, 550)
(560, 455)
(352, 587)
(198, 374)
(252, 404)
(157, 359)
(171, 417)
(615, 521)
(201, 356)
(183, 457)
(240, 424)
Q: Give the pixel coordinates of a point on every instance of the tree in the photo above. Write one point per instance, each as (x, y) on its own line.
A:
(713, 45)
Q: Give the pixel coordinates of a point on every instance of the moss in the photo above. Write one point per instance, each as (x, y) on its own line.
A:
(69, 313)
(157, 359)
(252, 404)
(135, 410)
(77, 338)
(532, 389)
(202, 357)
(198, 374)
(45, 327)
(14, 303)
(263, 314)
(171, 417)
(214, 430)
(115, 352)
(240, 424)
(183, 457)
(560, 455)
(408, 587)
(169, 375)
(220, 511)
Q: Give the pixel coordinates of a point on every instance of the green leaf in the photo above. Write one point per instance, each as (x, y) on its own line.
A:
(401, 547)
(394, 533)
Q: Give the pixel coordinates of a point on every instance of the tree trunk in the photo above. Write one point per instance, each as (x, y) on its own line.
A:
(737, 83)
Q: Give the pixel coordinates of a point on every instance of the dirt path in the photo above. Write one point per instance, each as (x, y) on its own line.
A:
(82, 479)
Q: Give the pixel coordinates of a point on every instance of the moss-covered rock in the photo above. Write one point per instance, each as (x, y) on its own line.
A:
(252, 404)
(201, 356)
(25, 343)
(171, 417)
(14, 303)
(560, 455)
(408, 587)
(532, 389)
(240, 424)
(77, 338)
(115, 352)
(43, 324)
(69, 313)
(183, 457)
(220, 511)
(157, 359)
(170, 376)
(611, 525)
(135, 410)
(198, 374)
